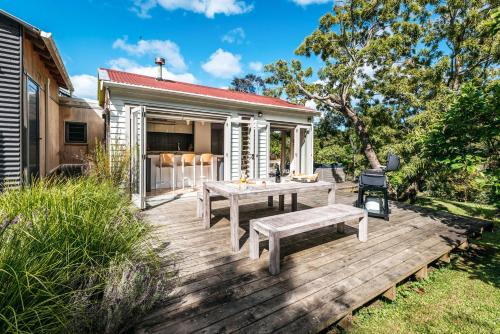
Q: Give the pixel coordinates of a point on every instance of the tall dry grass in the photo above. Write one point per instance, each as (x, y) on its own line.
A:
(74, 257)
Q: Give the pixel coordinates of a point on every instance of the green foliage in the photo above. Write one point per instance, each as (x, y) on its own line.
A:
(415, 78)
(65, 246)
(114, 167)
(463, 145)
(250, 83)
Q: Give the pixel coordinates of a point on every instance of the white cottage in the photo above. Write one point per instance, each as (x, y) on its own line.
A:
(182, 134)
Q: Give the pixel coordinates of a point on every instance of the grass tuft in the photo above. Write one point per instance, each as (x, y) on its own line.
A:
(74, 257)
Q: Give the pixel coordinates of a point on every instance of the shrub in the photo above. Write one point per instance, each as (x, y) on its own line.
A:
(74, 257)
(114, 167)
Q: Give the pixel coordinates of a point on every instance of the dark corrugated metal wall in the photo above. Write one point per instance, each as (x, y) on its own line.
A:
(10, 101)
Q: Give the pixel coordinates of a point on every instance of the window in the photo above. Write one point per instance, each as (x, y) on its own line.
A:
(75, 133)
(32, 156)
(217, 138)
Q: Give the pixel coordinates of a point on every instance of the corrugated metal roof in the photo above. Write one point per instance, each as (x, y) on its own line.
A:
(182, 87)
(48, 41)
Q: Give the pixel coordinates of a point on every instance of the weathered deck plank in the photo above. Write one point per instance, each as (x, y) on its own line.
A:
(324, 276)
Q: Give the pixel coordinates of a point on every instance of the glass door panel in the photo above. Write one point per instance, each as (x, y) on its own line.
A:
(138, 156)
(33, 130)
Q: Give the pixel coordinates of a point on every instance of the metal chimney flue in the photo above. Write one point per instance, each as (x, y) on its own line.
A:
(160, 62)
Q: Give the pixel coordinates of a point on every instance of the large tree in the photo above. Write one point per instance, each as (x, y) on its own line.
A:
(356, 42)
(460, 45)
(250, 83)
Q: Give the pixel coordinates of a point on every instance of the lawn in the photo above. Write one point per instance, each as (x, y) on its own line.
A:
(460, 297)
(484, 211)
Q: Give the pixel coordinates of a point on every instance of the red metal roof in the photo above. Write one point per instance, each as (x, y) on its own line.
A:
(182, 87)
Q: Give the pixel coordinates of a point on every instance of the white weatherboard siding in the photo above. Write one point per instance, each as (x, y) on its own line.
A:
(120, 103)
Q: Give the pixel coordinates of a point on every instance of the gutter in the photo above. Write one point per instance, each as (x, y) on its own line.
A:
(210, 98)
(49, 43)
(54, 52)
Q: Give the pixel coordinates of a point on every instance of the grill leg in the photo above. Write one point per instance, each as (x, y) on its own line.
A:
(386, 205)
(360, 197)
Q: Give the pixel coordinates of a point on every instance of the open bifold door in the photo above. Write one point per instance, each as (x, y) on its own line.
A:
(260, 138)
(138, 156)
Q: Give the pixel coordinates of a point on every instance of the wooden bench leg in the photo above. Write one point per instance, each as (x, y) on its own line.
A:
(282, 203)
(363, 227)
(254, 243)
(270, 201)
(234, 223)
(274, 254)
(207, 208)
(294, 202)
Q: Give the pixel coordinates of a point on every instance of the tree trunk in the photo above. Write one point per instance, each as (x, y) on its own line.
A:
(360, 128)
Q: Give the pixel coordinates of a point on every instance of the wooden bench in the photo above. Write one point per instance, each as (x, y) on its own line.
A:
(199, 202)
(284, 225)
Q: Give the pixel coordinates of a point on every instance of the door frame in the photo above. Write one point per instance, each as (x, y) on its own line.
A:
(254, 152)
(296, 165)
(28, 158)
(137, 145)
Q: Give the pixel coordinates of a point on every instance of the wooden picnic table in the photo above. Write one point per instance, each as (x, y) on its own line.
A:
(234, 191)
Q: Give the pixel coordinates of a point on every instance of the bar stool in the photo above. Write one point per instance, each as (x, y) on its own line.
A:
(206, 159)
(188, 160)
(167, 160)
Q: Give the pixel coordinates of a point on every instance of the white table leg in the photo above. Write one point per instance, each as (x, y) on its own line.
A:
(363, 227)
(282, 202)
(331, 195)
(235, 222)
(294, 202)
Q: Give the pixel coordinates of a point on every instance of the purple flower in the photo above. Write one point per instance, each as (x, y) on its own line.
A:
(15, 220)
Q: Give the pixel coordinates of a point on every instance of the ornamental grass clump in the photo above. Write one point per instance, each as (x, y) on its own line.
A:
(74, 257)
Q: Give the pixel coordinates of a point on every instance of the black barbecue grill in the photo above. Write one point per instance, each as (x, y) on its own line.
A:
(376, 180)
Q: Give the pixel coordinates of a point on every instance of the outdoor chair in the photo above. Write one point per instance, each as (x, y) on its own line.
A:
(188, 161)
(167, 161)
(206, 159)
(376, 180)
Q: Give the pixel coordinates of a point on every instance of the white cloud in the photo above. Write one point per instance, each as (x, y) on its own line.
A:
(142, 8)
(256, 66)
(310, 2)
(127, 65)
(365, 72)
(154, 47)
(223, 64)
(311, 104)
(85, 86)
(236, 35)
(207, 7)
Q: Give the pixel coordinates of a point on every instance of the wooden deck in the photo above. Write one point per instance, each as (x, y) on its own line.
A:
(324, 275)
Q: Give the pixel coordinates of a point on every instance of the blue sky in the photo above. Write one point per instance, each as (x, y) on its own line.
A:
(204, 41)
